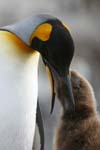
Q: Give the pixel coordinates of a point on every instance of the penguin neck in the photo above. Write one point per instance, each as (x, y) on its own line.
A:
(18, 96)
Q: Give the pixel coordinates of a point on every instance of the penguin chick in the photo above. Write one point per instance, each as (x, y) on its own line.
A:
(79, 129)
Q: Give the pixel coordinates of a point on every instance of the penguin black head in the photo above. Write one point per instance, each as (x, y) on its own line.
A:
(53, 40)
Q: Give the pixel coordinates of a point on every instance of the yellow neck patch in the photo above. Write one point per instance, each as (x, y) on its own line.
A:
(42, 32)
(14, 42)
(66, 27)
(13, 47)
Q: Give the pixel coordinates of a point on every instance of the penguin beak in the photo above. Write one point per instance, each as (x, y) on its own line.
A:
(62, 86)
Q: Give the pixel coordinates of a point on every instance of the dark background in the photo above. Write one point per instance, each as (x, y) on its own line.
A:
(83, 18)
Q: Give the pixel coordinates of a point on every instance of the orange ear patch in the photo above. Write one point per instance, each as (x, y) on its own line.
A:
(42, 32)
(65, 25)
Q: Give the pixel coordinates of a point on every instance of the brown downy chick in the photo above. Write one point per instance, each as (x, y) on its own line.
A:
(79, 129)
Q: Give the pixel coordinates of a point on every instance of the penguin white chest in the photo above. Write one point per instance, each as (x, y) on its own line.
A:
(18, 93)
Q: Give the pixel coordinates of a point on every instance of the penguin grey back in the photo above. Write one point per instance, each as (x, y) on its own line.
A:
(24, 28)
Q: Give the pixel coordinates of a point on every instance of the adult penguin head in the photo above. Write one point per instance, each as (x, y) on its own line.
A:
(49, 36)
(54, 42)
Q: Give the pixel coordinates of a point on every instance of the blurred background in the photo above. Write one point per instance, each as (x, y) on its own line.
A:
(83, 18)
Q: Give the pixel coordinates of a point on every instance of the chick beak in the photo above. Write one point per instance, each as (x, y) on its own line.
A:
(62, 86)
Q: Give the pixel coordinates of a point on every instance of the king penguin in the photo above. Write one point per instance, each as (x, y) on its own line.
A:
(20, 45)
(79, 129)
